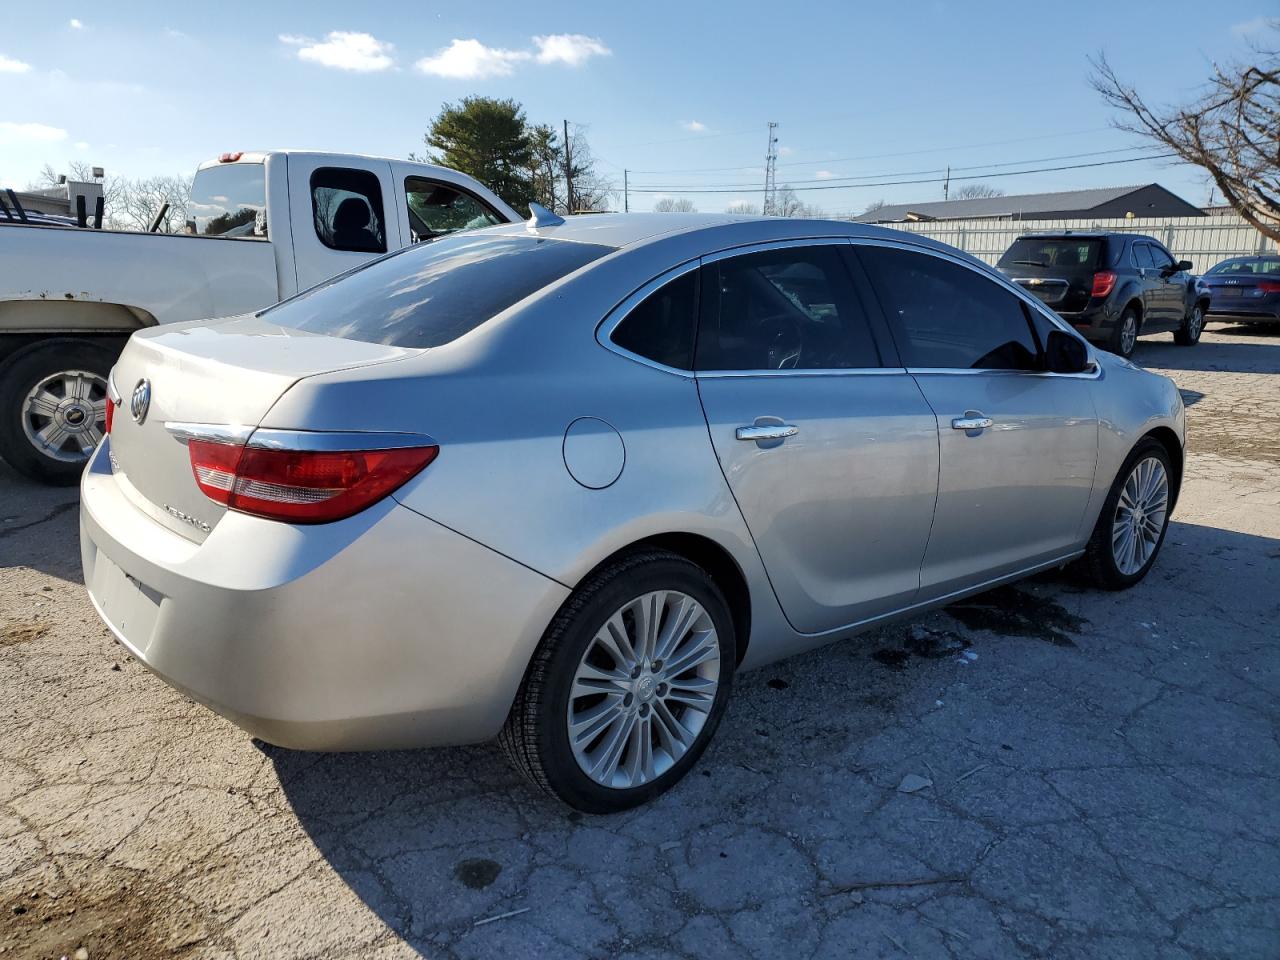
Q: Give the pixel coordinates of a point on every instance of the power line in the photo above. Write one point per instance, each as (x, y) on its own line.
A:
(918, 173)
(900, 183)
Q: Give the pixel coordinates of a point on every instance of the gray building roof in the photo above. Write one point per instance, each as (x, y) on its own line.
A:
(1143, 200)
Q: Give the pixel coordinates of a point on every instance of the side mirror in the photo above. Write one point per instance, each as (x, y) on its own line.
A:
(1185, 265)
(1065, 353)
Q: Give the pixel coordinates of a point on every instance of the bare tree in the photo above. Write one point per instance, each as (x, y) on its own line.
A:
(788, 204)
(976, 191)
(873, 206)
(743, 209)
(673, 205)
(130, 204)
(1232, 130)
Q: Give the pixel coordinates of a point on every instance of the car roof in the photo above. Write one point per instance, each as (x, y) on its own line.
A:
(1085, 235)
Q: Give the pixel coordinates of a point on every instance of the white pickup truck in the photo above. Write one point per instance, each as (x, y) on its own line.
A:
(260, 227)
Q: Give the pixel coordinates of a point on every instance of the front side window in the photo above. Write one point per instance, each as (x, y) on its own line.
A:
(947, 316)
(1160, 256)
(429, 295)
(346, 206)
(789, 309)
(229, 200)
(661, 328)
(1142, 255)
(438, 208)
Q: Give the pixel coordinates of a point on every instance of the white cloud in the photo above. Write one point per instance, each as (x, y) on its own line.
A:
(1250, 27)
(81, 145)
(824, 175)
(75, 24)
(693, 126)
(572, 49)
(11, 132)
(471, 60)
(343, 50)
(10, 65)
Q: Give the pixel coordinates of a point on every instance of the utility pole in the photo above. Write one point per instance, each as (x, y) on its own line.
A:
(568, 170)
(771, 173)
(626, 192)
(946, 184)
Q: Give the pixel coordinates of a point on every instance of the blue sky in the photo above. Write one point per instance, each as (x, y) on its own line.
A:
(677, 92)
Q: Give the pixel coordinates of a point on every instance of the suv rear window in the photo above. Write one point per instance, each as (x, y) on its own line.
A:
(1061, 253)
(432, 293)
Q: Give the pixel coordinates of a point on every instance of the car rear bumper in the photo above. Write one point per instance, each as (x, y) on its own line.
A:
(380, 631)
(1095, 323)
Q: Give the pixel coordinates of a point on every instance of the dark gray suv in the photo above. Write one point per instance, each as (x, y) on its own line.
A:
(1110, 286)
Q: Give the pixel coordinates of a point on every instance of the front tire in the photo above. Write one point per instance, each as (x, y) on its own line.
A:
(53, 407)
(627, 686)
(1188, 335)
(1134, 519)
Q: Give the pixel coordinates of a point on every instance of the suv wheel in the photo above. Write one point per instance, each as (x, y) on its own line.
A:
(1188, 335)
(627, 686)
(53, 407)
(1124, 337)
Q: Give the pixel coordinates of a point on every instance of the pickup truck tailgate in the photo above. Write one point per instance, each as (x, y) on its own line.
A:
(227, 373)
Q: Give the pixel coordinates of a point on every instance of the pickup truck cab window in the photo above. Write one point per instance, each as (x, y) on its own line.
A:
(437, 208)
(346, 207)
(230, 201)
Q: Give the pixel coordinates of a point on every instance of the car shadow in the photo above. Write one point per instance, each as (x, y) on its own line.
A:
(39, 526)
(437, 843)
(1261, 354)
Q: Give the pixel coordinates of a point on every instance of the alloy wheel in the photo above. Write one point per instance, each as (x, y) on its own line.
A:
(1128, 334)
(643, 689)
(1195, 322)
(1140, 516)
(65, 415)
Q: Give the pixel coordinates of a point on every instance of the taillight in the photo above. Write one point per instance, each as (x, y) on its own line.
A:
(111, 412)
(1269, 286)
(302, 486)
(1104, 281)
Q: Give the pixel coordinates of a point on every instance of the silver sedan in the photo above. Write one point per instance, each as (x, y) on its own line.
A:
(557, 483)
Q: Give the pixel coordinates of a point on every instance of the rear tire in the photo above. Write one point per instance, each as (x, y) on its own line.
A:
(1124, 336)
(53, 407)
(651, 720)
(1188, 335)
(1126, 541)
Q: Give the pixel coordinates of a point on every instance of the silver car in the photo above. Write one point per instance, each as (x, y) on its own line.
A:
(557, 483)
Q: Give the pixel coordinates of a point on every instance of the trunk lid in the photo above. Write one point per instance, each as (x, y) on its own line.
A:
(227, 372)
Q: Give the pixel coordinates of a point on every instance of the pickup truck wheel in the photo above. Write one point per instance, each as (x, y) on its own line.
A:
(1188, 335)
(1124, 336)
(53, 408)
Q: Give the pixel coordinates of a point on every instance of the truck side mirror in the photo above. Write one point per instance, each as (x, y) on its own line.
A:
(1065, 353)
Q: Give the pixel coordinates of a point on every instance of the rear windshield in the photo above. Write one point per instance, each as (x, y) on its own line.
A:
(229, 200)
(1249, 268)
(1064, 253)
(434, 292)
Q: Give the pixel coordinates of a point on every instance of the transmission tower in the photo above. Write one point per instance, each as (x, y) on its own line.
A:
(771, 173)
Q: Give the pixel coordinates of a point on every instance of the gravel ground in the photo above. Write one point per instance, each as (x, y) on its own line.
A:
(1102, 777)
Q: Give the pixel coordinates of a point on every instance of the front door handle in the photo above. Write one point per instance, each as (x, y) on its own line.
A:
(971, 421)
(767, 431)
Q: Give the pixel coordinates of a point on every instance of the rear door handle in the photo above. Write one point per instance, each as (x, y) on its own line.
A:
(971, 421)
(768, 431)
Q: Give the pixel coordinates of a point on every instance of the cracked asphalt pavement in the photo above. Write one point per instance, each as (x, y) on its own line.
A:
(1043, 771)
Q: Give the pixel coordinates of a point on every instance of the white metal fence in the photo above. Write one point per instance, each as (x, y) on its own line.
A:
(1204, 241)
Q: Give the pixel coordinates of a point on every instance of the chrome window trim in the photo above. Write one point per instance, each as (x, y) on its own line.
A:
(332, 441)
(826, 372)
(1094, 370)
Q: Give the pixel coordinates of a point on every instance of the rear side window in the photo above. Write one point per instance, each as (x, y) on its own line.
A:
(661, 328)
(438, 208)
(346, 206)
(788, 309)
(433, 293)
(947, 316)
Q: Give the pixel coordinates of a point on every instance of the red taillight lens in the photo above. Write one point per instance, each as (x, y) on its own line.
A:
(1104, 281)
(1269, 286)
(111, 412)
(302, 486)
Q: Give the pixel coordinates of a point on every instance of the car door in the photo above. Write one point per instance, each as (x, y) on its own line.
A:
(339, 211)
(825, 441)
(1171, 285)
(1018, 446)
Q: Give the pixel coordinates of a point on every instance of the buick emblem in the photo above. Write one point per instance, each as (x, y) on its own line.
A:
(140, 401)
